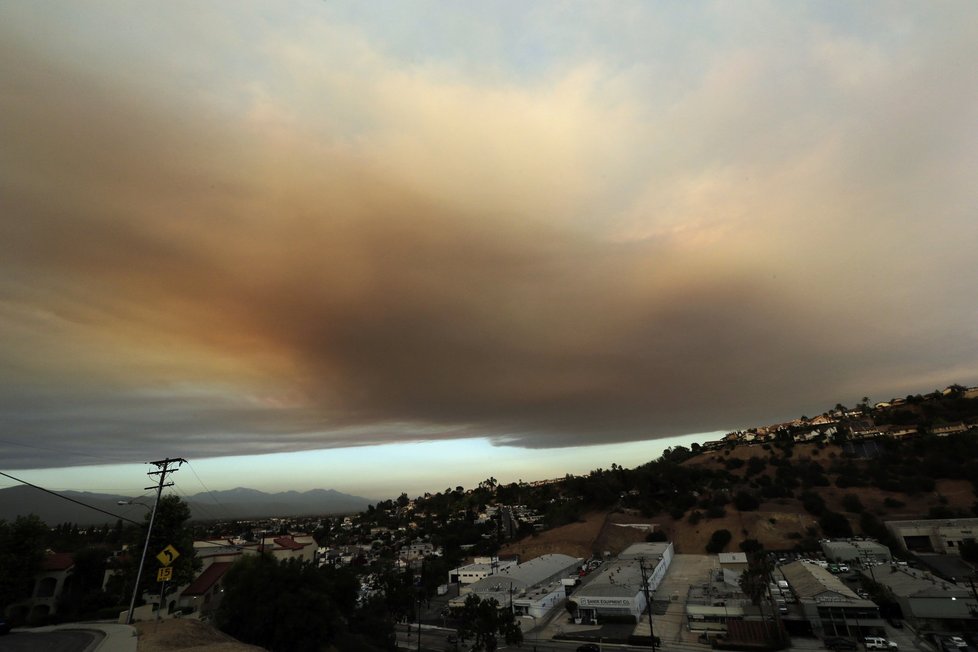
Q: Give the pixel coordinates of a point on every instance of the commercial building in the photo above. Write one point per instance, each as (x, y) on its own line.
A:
(832, 608)
(712, 604)
(617, 591)
(852, 551)
(929, 603)
(735, 562)
(481, 568)
(529, 589)
(943, 536)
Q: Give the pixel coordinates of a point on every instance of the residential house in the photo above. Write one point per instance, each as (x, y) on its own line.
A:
(50, 583)
(948, 429)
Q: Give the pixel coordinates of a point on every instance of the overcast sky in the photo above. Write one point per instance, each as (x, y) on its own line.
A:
(242, 229)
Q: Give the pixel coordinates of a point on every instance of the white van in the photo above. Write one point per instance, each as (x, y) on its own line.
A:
(877, 643)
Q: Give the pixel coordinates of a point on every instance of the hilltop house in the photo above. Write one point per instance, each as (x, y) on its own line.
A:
(50, 583)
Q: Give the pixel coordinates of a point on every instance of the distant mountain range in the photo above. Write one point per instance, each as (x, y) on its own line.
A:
(240, 503)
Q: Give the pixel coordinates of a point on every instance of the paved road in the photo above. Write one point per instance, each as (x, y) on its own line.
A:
(436, 640)
(59, 641)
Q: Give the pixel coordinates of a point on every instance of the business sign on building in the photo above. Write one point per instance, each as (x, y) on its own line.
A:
(604, 602)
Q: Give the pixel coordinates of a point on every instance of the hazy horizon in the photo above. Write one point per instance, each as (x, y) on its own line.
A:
(404, 469)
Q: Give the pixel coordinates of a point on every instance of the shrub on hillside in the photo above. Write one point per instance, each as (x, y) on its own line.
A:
(755, 465)
(813, 503)
(751, 546)
(716, 511)
(733, 463)
(745, 502)
(835, 525)
(851, 503)
(718, 541)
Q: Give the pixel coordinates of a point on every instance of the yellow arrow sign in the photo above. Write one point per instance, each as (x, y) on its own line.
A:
(164, 574)
(167, 555)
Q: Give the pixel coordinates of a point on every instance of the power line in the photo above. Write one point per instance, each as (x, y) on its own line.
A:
(78, 502)
(227, 513)
(186, 498)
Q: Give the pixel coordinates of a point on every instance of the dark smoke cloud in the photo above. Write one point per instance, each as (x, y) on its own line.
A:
(178, 275)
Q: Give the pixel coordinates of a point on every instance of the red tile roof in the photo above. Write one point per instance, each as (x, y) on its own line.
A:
(58, 561)
(206, 580)
(291, 544)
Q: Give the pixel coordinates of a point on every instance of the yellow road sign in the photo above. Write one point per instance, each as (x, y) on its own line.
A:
(164, 574)
(167, 555)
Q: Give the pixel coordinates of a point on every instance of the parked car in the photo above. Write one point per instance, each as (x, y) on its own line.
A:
(878, 643)
(957, 641)
(839, 643)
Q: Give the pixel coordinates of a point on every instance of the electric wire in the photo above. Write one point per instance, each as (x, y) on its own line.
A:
(186, 498)
(54, 493)
(210, 493)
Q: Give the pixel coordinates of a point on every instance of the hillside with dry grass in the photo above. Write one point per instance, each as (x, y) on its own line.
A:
(764, 492)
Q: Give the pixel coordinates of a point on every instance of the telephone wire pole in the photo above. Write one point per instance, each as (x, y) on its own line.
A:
(164, 467)
(648, 601)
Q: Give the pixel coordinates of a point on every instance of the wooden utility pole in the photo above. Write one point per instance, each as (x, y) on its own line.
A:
(648, 601)
(164, 467)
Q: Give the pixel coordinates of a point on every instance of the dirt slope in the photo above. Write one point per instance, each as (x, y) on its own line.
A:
(186, 635)
(597, 533)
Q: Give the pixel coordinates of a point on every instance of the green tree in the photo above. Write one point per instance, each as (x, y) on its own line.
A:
(281, 606)
(170, 528)
(399, 592)
(22, 545)
(753, 582)
(752, 546)
(486, 622)
(83, 596)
